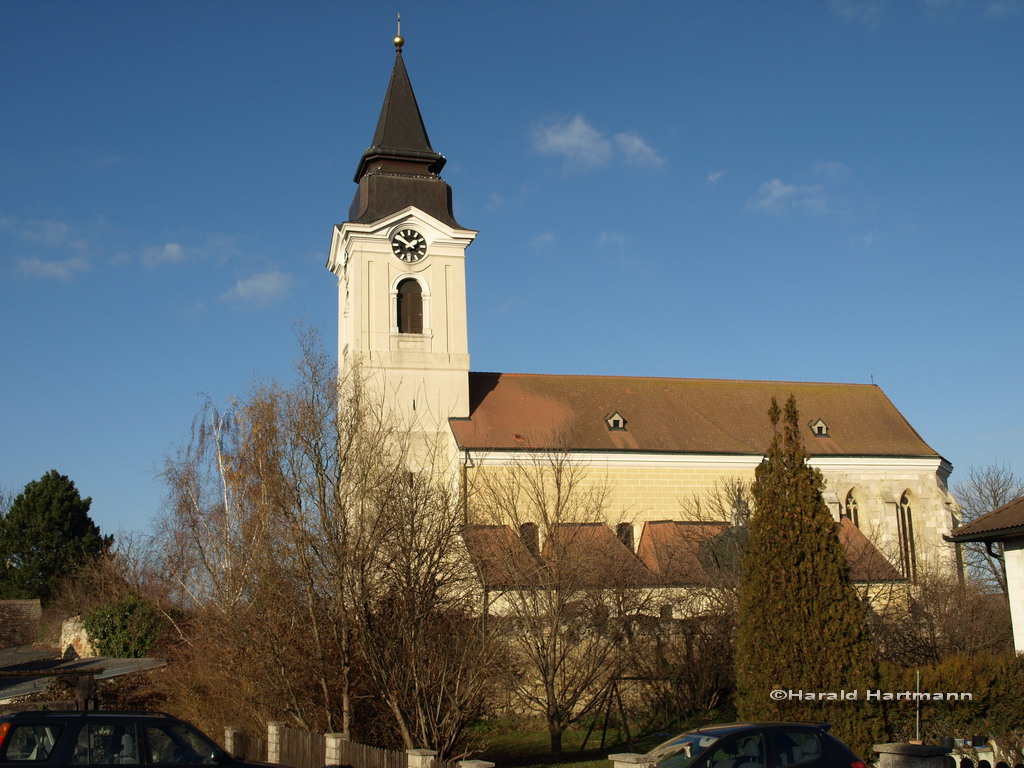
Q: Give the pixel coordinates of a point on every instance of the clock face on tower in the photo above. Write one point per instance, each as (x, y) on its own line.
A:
(408, 245)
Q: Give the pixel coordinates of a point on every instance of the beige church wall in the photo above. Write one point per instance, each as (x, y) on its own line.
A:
(878, 484)
(639, 489)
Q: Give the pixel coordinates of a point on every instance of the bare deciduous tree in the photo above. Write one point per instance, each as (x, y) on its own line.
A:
(292, 526)
(569, 588)
(985, 489)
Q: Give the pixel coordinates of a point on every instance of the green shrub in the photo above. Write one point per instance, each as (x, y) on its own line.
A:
(126, 628)
(996, 684)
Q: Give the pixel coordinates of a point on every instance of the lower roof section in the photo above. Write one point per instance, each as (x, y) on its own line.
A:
(669, 553)
(510, 411)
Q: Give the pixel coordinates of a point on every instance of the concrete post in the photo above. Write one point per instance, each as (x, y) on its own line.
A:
(911, 756)
(475, 764)
(421, 758)
(631, 760)
(332, 748)
(231, 740)
(275, 731)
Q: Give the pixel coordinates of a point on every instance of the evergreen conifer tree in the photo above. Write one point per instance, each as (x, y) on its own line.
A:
(45, 535)
(801, 624)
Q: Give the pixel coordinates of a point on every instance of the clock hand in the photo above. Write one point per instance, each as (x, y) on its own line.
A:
(403, 241)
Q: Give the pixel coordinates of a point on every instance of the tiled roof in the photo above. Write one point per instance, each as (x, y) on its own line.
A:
(516, 411)
(589, 554)
(670, 553)
(672, 549)
(867, 564)
(1000, 523)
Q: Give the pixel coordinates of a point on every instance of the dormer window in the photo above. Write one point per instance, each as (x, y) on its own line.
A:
(615, 421)
(818, 428)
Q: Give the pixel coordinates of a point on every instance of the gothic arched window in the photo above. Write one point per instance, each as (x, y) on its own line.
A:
(530, 537)
(410, 306)
(850, 509)
(625, 533)
(905, 531)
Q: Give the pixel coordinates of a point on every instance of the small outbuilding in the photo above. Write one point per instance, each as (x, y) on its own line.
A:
(1005, 526)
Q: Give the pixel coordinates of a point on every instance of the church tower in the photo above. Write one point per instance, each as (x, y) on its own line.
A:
(400, 263)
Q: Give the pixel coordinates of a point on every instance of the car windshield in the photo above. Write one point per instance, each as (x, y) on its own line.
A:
(682, 751)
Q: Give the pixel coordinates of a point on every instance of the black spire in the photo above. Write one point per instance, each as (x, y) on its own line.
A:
(400, 168)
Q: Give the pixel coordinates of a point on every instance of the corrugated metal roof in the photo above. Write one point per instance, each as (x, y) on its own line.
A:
(552, 412)
(30, 672)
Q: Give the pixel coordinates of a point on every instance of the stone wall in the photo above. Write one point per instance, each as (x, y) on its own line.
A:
(74, 640)
(19, 622)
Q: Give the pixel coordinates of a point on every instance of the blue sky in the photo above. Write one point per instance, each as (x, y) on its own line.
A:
(796, 191)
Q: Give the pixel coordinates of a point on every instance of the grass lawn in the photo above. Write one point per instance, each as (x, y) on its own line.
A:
(524, 742)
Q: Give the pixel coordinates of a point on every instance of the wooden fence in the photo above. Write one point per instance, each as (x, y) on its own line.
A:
(249, 748)
(301, 749)
(362, 756)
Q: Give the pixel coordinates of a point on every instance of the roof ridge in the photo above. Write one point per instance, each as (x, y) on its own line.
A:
(672, 378)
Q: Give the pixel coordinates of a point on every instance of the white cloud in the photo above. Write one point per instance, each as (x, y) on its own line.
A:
(260, 290)
(34, 267)
(638, 151)
(494, 202)
(576, 140)
(157, 256)
(868, 12)
(775, 196)
(611, 238)
(715, 176)
(51, 234)
(218, 247)
(1000, 9)
(583, 147)
(543, 240)
(831, 170)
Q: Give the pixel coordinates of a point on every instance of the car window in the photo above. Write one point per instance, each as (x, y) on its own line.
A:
(106, 744)
(178, 744)
(796, 747)
(745, 751)
(681, 751)
(31, 743)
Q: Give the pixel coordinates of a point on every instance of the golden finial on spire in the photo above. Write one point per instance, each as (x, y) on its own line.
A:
(399, 40)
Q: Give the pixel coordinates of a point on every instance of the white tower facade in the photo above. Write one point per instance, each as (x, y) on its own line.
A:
(400, 264)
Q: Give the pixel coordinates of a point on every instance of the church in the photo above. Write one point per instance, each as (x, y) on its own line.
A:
(652, 443)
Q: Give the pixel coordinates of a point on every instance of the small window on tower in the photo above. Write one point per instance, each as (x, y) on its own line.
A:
(410, 307)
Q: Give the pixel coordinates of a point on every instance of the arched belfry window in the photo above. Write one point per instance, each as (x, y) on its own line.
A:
(850, 509)
(905, 530)
(625, 533)
(410, 306)
(530, 537)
